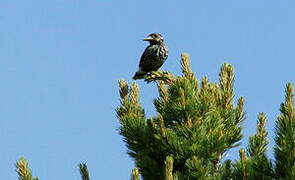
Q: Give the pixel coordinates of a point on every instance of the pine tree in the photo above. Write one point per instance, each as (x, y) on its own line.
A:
(197, 122)
(285, 138)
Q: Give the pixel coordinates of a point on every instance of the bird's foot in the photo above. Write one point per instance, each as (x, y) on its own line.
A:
(159, 75)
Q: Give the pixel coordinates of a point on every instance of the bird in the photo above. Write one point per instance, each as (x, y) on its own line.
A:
(153, 56)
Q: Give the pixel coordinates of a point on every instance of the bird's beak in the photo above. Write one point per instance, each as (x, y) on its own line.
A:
(148, 38)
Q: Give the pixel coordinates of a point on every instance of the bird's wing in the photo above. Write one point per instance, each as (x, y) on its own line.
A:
(146, 56)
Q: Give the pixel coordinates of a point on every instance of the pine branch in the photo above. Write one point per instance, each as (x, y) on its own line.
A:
(244, 164)
(23, 170)
(285, 139)
(84, 171)
(258, 142)
(261, 167)
(186, 67)
(135, 174)
(130, 105)
(136, 130)
(238, 169)
(226, 80)
(169, 168)
(197, 170)
(240, 113)
(124, 89)
(159, 75)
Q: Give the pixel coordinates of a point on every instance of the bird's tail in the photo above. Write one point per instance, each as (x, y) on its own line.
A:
(139, 75)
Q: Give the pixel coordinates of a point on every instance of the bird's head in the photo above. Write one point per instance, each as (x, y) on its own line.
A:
(154, 38)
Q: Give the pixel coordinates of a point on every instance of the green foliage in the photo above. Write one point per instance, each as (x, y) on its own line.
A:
(254, 164)
(261, 166)
(84, 171)
(197, 122)
(169, 168)
(23, 170)
(135, 174)
(285, 138)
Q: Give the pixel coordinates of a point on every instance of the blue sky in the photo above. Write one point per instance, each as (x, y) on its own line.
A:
(60, 61)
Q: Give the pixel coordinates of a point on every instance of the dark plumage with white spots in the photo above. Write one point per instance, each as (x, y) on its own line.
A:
(153, 56)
